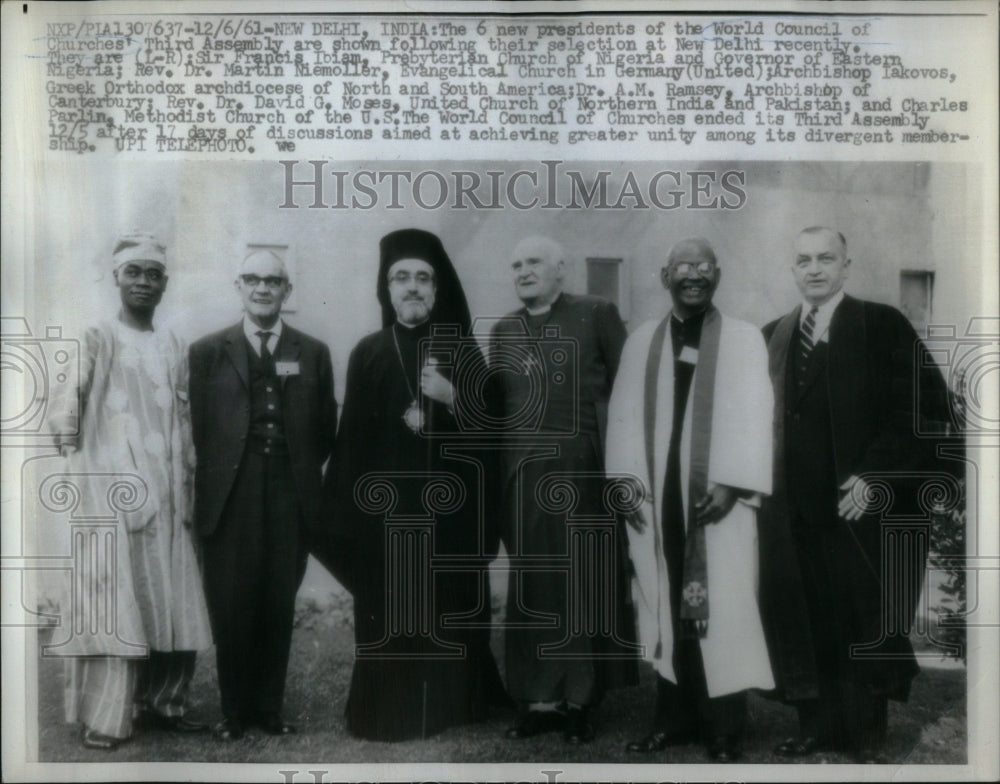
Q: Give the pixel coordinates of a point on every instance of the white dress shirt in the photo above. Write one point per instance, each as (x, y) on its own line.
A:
(250, 330)
(824, 314)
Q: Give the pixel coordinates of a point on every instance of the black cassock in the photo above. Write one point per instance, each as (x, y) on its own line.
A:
(569, 624)
(414, 547)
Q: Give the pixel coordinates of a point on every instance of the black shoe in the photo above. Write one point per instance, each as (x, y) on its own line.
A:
(174, 723)
(531, 723)
(273, 724)
(799, 747)
(92, 739)
(657, 741)
(724, 749)
(228, 730)
(579, 729)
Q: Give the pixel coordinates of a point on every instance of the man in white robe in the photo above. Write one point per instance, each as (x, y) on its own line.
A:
(690, 420)
(134, 620)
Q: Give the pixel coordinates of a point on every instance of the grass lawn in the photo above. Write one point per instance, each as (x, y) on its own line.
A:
(930, 728)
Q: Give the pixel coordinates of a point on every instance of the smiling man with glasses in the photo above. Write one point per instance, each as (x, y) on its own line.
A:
(264, 420)
(690, 421)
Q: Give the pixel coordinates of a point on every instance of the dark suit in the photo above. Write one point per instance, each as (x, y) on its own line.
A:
(258, 504)
(849, 410)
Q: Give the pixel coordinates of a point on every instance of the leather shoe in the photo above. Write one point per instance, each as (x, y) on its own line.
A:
(579, 729)
(228, 730)
(724, 749)
(175, 723)
(657, 741)
(798, 747)
(531, 723)
(92, 739)
(273, 724)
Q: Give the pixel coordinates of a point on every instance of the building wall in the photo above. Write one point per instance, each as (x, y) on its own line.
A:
(896, 216)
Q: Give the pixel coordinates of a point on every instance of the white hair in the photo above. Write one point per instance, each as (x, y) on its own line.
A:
(262, 252)
(539, 246)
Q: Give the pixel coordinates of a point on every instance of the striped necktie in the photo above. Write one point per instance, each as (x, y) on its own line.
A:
(806, 337)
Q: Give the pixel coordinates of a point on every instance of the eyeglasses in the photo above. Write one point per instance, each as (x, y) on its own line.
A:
(402, 278)
(271, 281)
(133, 272)
(703, 268)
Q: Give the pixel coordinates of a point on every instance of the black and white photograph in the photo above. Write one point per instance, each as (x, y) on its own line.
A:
(332, 455)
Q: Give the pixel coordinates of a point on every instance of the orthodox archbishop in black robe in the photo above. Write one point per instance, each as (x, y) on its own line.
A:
(410, 518)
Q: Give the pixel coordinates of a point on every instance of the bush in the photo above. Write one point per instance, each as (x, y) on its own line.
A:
(947, 558)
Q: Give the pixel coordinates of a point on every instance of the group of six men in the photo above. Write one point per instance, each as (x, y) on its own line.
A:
(695, 494)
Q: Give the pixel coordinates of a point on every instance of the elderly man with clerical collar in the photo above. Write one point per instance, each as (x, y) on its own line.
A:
(129, 416)
(690, 418)
(264, 419)
(552, 364)
(419, 564)
(852, 387)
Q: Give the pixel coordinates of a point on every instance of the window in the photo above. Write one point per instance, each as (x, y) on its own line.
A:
(605, 278)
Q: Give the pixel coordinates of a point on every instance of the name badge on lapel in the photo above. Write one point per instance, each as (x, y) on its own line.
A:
(689, 355)
(284, 369)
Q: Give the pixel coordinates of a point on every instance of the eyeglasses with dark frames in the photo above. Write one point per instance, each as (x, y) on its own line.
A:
(271, 281)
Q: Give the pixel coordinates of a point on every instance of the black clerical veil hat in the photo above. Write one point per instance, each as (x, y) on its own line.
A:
(450, 306)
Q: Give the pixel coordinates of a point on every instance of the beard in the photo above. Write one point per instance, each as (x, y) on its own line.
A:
(412, 312)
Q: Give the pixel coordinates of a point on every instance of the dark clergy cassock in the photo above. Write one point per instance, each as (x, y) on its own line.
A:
(553, 375)
(409, 507)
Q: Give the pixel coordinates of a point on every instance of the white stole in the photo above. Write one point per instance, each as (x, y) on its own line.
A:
(740, 454)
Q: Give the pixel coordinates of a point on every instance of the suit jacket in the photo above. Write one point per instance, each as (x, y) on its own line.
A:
(872, 383)
(220, 418)
(871, 379)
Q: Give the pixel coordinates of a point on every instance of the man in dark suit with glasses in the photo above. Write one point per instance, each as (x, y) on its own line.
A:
(264, 419)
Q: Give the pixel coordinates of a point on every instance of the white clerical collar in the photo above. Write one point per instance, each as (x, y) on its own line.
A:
(679, 320)
(543, 309)
(250, 330)
(824, 314)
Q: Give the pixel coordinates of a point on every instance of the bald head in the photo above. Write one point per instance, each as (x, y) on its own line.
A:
(694, 247)
(537, 245)
(261, 259)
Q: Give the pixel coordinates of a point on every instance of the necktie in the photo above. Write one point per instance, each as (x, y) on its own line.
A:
(264, 335)
(806, 334)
